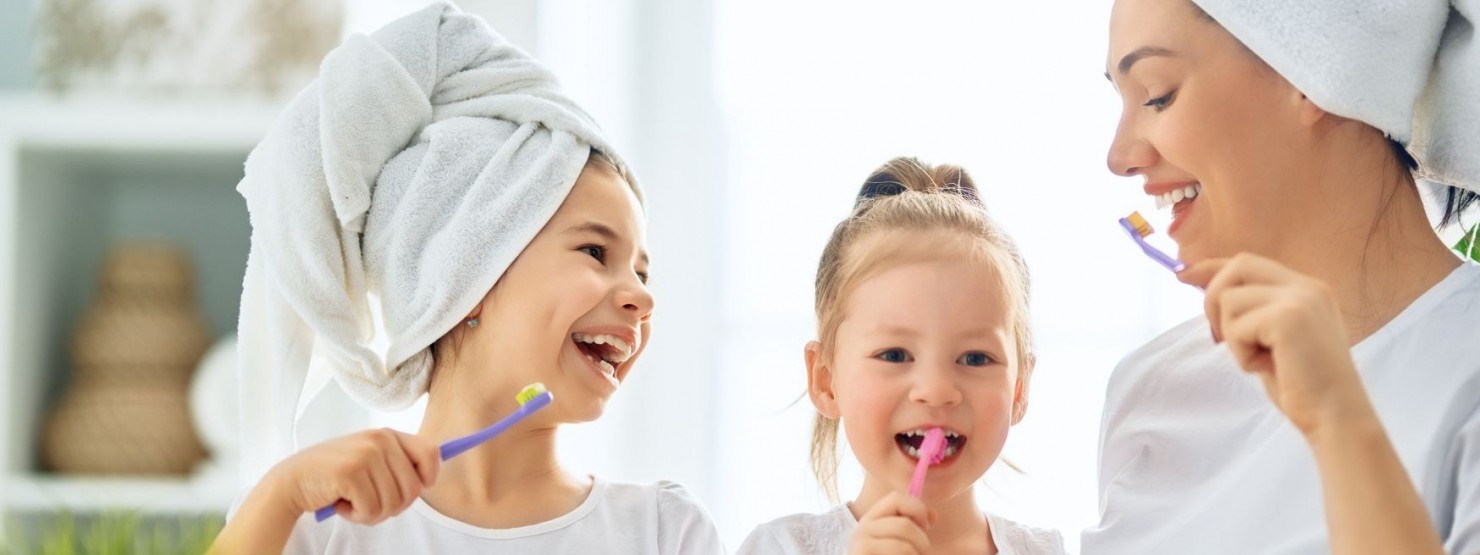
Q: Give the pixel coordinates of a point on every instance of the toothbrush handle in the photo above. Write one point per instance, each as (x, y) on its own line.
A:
(917, 482)
(1176, 266)
(457, 446)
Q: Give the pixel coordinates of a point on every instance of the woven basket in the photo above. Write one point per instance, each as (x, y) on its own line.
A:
(133, 354)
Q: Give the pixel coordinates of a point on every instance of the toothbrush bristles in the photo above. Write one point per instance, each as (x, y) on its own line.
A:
(529, 393)
(1143, 228)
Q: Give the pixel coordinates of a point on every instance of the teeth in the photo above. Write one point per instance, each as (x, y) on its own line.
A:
(606, 367)
(1170, 198)
(621, 354)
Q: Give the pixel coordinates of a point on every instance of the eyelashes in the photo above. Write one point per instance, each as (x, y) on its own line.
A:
(1161, 102)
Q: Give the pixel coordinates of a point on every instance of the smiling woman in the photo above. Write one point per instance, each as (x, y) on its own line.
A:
(1275, 133)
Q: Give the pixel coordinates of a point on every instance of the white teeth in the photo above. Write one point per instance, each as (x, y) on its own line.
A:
(621, 354)
(607, 367)
(1175, 196)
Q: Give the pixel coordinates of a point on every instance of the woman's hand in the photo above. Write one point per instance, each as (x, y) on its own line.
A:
(1286, 329)
(894, 525)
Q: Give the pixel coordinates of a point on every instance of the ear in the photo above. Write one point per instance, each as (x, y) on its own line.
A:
(1020, 393)
(820, 381)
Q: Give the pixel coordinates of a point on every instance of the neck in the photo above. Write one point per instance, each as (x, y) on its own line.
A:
(511, 480)
(959, 526)
(1374, 247)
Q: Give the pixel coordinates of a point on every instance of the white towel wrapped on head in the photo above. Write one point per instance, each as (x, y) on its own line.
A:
(415, 169)
(1410, 68)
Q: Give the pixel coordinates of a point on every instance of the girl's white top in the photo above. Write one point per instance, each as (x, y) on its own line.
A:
(828, 533)
(659, 518)
(1194, 458)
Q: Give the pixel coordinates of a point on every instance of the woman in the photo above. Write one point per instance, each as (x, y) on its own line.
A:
(1278, 129)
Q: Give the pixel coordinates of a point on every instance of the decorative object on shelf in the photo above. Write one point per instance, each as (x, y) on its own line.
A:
(266, 46)
(213, 407)
(133, 354)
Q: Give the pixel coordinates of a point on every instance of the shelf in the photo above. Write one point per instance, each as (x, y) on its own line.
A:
(78, 175)
(51, 494)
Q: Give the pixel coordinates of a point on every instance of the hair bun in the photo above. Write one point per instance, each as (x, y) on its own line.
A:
(909, 174)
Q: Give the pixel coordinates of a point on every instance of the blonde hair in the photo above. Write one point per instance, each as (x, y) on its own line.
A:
(905, 195)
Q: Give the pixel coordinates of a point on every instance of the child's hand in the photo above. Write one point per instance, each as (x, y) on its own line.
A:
(1285, 328)
(896, 524)
(370, 475)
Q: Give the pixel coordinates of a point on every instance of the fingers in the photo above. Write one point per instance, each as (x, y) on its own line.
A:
(425, 456)
(895, 534)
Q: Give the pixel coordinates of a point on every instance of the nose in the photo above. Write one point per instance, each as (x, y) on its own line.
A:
(935, 385)
(1130, 154)
(634, 297)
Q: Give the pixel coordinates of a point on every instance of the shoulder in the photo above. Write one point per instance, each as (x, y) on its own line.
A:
(1013, 538)
(683, 524)
(802, 533)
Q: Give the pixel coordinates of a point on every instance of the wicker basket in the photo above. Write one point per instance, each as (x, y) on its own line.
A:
(127, 410)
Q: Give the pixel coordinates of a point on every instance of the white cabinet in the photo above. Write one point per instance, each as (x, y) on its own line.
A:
(76, 176)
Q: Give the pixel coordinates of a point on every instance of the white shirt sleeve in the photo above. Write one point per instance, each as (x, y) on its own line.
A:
(763, 541)
(684, 526)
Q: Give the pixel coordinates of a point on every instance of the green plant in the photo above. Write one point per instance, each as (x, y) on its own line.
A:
(1469, 245)
(114, 533)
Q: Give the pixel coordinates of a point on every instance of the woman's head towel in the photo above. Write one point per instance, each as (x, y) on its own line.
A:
(414, 170)
(1411, 69)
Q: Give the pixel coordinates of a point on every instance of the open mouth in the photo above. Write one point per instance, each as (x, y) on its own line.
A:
(1180, 200)
(909, 443)
(605, 351)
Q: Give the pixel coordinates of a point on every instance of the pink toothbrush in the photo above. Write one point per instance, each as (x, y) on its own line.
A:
(932, 450)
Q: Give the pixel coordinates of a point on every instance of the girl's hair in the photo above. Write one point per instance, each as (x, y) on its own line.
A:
(905, 195)
(1456, 200)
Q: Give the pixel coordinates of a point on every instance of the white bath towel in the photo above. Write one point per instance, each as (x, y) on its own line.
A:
(1409, 68)
(414, 170)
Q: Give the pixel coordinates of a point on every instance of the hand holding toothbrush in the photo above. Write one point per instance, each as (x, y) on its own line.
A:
(895, 524)
(1287, 329)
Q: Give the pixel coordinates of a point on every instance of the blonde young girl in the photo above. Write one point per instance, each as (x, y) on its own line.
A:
(438, 169)
(922, 308)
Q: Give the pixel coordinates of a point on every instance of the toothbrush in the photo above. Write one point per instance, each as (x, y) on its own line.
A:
(932, 450)
(532, 398)
(1139, 229)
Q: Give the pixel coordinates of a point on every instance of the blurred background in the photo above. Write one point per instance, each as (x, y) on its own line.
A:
(124, 125)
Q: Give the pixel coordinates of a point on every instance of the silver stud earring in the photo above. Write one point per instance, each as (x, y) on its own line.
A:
(472, 322)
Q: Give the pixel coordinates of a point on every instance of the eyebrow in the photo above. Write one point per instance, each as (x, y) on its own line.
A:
(1139, 54)
(606, 233)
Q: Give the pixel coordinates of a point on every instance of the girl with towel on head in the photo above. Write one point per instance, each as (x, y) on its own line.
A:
(434, 184)
(1329, 399)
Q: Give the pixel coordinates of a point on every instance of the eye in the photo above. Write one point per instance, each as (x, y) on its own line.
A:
(1161, 102)
(975, 358)
(596, 251)
(643, 276)
(895, 356)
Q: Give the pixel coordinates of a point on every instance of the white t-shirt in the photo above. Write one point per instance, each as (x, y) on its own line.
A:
(827, 534)
(614, 518)
(1194, 458)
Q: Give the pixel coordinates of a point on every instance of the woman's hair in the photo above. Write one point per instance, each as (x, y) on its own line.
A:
(1456, 200)
(902, 198)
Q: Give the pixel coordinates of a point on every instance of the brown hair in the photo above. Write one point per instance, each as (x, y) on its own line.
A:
(905, 195)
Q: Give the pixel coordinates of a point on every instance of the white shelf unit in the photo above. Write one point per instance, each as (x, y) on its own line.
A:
(77, 175)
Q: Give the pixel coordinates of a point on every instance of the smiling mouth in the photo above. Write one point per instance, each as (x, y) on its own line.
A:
(909, 442)
(605, 351)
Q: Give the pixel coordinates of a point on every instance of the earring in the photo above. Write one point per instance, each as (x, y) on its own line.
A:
(472, 322)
